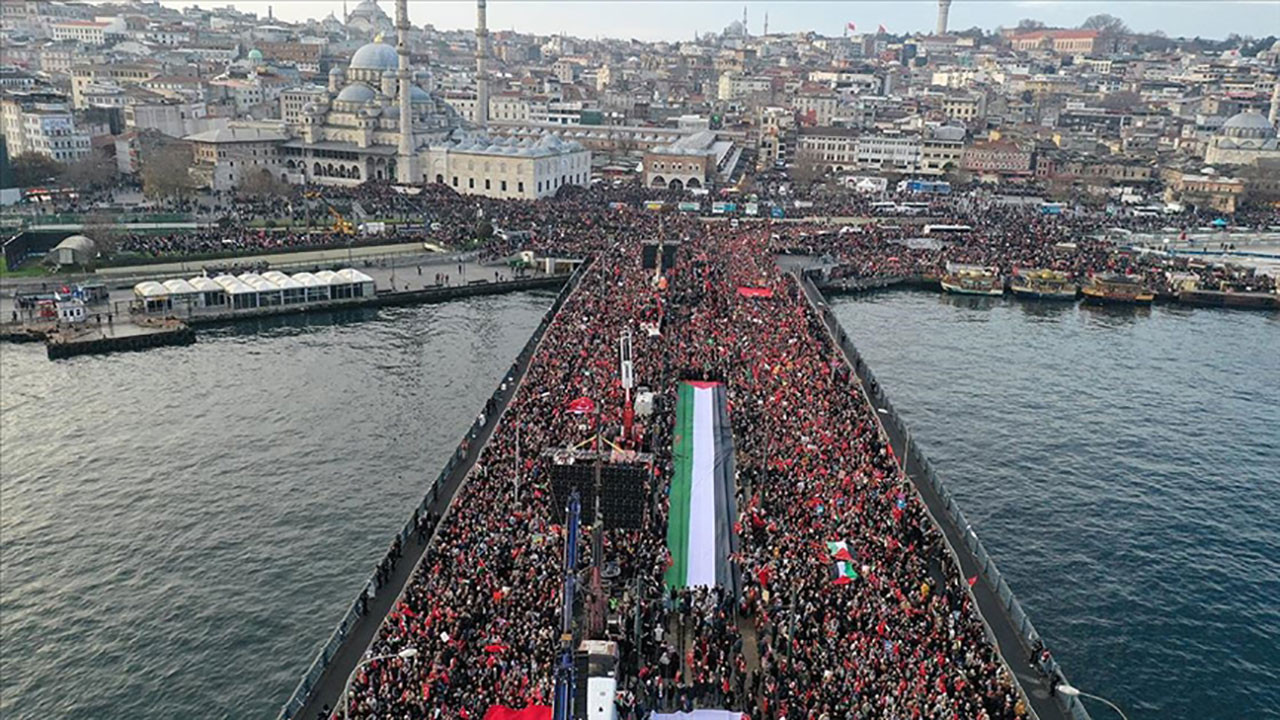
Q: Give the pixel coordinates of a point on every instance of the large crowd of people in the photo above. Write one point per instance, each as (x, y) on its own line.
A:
(482, 612)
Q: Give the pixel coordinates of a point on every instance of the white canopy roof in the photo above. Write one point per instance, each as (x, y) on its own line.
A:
(178, 286)
(150, 289)
(233, 285)
(329, 277)
(257, 282)
(282, 281)
(309, 280)
(353, 276)
(203, 283)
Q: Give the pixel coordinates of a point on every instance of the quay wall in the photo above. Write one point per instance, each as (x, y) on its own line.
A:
(1007, 624)
(325, 678)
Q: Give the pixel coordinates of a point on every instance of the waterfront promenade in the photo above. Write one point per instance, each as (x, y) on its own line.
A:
(480, 611)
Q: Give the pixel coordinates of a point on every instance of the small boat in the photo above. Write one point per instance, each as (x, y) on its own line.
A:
(1116, 289)
(972, 280)
(1042, 285)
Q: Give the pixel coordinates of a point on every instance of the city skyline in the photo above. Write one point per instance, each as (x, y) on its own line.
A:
(589, 20)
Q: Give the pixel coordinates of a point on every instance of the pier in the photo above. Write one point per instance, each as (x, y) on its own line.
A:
(548, 377)
(133, 331)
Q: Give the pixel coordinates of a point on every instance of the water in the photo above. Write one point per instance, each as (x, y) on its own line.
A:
(1121, 466)
(182, 527)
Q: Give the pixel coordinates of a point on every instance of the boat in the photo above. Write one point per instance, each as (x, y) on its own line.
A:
(1042, 284)
(972, 280)
(1203, 297)
(1117, 289)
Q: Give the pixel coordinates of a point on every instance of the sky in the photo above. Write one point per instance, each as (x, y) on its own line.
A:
(678, 20)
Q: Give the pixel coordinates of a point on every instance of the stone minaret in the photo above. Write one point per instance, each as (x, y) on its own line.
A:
(1274, 115)
(482, 66)
(944, 8)
(406, 162)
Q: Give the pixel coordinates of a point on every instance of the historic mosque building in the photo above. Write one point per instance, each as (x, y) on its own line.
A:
(1244, 139)
(380, 122)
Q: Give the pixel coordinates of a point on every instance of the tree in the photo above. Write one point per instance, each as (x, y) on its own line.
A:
(92, 171)
(32, 169)
(100, 227)
(1030, 24)
(1106, 24)
(260, 184)
(165, 171)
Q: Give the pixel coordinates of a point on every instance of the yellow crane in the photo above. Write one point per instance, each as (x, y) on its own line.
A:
(341, 225)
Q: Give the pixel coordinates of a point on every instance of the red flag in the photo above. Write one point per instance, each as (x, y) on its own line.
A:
(973, 581)
(583, 405)
(882, 30)
(495, 648)
(852, 27)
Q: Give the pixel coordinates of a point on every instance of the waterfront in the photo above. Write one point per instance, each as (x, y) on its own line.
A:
(1119, 464)
(212, 509)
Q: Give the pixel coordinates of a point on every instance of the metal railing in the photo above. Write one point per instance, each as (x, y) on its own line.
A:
(918, 467)
(302, 693)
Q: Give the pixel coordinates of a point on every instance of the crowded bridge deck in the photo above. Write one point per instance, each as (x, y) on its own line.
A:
(846, 598)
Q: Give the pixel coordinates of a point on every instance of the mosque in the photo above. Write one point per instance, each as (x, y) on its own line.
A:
(379, 121)
(1244, 139)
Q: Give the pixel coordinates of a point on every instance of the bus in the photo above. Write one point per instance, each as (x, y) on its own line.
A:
(884, 208)
(947, 229)
(913, 208)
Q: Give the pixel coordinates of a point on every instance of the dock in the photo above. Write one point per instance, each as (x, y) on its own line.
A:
(142, 332)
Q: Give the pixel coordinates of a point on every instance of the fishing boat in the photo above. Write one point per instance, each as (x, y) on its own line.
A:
(1116, 289)
(1042, 284)
(972, 280)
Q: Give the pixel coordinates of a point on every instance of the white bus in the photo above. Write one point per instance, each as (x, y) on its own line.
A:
(947, 229)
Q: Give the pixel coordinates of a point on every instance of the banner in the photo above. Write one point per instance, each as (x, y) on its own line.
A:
(533, 712)
(690, 207)
(751, 209)
(700, 526)
(654, 205)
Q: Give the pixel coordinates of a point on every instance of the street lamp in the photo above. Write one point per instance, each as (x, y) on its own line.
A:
(405, 654)
(1070, 691)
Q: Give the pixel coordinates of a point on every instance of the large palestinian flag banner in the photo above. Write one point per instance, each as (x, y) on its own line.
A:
(700, 530)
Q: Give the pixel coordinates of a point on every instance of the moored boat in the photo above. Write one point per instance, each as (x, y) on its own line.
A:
(1042, 284)
(1116, 289)
(972, 280)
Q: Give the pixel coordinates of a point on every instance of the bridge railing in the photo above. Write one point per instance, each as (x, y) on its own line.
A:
(918, 466)
(302, 693)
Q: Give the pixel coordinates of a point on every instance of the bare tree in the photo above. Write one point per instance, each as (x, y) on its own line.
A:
(1030, 24)
(100, 227)
(94, 170)
(1106, 24)
(166, 172)
(260, 184)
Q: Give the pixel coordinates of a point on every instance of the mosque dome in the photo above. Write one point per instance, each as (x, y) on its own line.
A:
(1248, 124)
(375, 56)
(356, 93)
(255, 55)
(336, 72)
(418, 95)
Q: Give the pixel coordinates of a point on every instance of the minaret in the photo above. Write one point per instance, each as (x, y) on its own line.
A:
(744, 21)
(406, 165)
(944, 8)
(1274, 115)
(482, 66)
(766, 25)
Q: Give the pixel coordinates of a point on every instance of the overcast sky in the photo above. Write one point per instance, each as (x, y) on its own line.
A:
(677, 20)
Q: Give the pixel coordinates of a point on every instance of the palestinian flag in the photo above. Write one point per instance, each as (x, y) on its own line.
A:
(842, 572)
(700, 530)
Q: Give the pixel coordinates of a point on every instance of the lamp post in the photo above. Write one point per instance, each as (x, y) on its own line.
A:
(405, 654)
(1070, 691)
